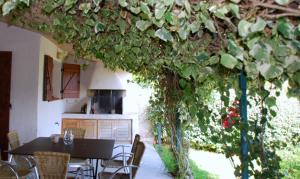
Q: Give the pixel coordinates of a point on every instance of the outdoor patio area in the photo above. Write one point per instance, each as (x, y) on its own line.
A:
(150, 89)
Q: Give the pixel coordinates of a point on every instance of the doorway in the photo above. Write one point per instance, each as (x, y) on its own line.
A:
(5, 80)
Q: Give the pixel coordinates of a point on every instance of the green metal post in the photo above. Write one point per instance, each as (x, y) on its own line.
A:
(243, 113)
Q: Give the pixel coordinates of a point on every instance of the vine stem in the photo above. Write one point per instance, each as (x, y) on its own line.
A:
(276, 16)
(273, 6)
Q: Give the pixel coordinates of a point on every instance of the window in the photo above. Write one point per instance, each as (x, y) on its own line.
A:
(107, 102)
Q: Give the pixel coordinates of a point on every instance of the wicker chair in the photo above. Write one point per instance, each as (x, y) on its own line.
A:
(77, 163)
(52, 165)
(22, 162)
(131, 168)
(8, 171)
(115, 161)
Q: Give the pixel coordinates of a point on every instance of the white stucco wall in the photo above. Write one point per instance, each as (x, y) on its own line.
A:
(32, 117)
(49, 113)
(24, 78)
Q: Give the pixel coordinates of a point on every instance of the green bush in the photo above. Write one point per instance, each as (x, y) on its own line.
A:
(290, 164)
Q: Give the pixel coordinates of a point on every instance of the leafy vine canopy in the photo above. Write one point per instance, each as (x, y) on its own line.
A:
(194, 38)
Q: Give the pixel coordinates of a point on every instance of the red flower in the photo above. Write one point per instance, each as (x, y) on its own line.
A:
(228, 121)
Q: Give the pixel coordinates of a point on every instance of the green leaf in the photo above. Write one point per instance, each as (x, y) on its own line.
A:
(235, 10)
(296, 78)
(145, 9)
(235, 50)
(260, 52)
(170, 18)
(50, 6)
(123, 3)
(182, 83)
(251, 42)
(285, 28)
(270, 101)
(122, 25)
(160, 10)
(90, 22)
(258, 26)
(292, 63)
(282, 2)
(27, 2)
(143, 25)
(214, 60)
(195, 26)
(118, 48)
(99, 27)
(221, 12)
(7, 7)
(203, 56)
(135, 10)
(184, 32)
(85, 7)
(270, 71)
(180, 2)
(251, 70)
(97, 2)
(164, 34)
(187, 6)
(228, 61)
(69, 4)
(296, 45)
(209, 24)
(168, 2)
(244, 28)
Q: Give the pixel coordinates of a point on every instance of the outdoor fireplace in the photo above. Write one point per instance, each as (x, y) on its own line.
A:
(107, 101)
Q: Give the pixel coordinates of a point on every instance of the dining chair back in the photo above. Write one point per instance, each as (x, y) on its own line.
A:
(21, 162)
(13, 140)
(78, 133)
(137, 158)
(137, 139)
(9, 171)
(52, 165)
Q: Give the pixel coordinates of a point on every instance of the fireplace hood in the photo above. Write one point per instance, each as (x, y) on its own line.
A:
(103, 78)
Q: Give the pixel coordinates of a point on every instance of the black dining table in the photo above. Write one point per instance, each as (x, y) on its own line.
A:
(80, 148)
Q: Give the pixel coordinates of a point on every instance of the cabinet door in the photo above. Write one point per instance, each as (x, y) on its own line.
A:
(105, 129)
(123, 131)
(90, 127)
(69, 123)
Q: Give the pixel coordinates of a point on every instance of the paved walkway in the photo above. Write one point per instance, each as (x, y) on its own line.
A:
(152, 166)
(213, 163)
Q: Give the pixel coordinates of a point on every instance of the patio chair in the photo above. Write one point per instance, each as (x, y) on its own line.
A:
(131, 168)
(118, 160)
(78, 163)
(22, 162)
(52, 165)
(9, 171)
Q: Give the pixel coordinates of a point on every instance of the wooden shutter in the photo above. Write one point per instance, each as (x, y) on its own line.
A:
(70, 81)
(48, 75)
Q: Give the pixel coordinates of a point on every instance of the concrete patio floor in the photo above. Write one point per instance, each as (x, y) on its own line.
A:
(151, 166)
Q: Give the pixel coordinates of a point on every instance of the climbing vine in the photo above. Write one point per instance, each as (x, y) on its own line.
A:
(188, 49)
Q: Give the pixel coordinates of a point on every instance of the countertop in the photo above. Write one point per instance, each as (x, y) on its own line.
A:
(98, 116)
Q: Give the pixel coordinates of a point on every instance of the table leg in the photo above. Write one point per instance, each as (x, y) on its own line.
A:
(96, 170)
